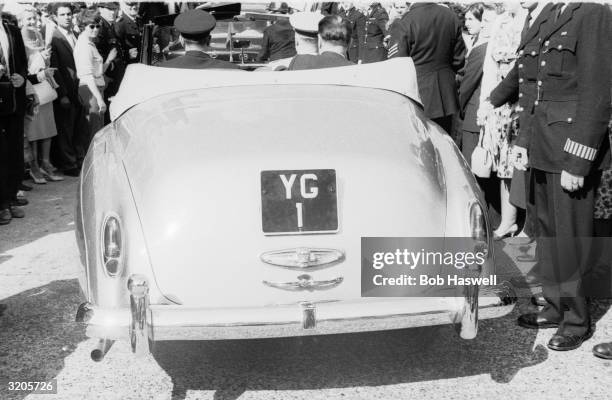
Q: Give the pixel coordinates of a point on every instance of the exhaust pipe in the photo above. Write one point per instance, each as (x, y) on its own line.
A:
(101, 349)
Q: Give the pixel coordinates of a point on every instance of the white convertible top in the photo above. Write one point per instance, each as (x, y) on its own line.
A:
(143, 82)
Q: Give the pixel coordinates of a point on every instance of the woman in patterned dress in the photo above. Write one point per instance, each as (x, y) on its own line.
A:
(501, 124)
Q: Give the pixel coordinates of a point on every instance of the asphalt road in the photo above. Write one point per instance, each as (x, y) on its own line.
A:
(39, 341)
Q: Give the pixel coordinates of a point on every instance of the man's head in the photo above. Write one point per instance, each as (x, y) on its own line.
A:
(306, 26)
(195, 27)
(334, 34)
(347, 5)
(131, 8)
(63, 15)
(108, 11)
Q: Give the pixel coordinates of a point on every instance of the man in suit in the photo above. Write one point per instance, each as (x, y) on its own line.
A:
(334, 34)
(358, 22)
(68, 147)
(13, 70)
(278, 39)
(431, 34)
(562, 80)
(195, 27)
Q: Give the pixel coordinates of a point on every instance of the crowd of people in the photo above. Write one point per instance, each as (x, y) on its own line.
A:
(524, 89)
(59, 65)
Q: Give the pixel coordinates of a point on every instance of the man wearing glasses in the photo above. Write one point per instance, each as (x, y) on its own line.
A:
(128, 32)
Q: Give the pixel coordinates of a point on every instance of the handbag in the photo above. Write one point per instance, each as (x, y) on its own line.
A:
(44, 92)
(481, 160)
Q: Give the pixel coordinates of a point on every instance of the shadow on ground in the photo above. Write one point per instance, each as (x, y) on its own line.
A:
(51, 210)
(37, 332)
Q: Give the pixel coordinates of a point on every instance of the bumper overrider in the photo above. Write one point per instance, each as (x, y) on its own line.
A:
(144, 323)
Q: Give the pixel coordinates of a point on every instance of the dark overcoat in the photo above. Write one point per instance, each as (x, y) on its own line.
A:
(431, 35)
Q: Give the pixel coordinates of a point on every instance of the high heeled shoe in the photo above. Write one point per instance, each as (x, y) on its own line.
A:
(38, 177)
(51, 176)
(511, 231)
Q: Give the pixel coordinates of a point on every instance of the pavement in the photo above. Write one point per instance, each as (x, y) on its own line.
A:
(39, 341)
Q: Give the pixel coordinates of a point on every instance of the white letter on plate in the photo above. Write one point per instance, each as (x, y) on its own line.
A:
(314, 190)
(288, 184)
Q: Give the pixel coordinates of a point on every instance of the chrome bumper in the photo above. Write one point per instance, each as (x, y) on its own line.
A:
(144, 323)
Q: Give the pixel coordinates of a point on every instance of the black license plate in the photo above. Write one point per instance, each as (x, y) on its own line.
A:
(299, 201)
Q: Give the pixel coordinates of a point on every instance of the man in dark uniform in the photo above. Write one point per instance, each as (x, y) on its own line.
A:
(195, 27)
(562, 79)
(334, 36)
(278, 39)
(431, 34)
(358, 22)
(107, 40)
(13, 71)
(375, 31)
(128, 31)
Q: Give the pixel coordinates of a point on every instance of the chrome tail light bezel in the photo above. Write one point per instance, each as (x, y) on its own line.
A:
(112, 245)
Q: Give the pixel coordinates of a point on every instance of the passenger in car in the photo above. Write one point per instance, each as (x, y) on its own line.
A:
(195, 27)
(334, 36)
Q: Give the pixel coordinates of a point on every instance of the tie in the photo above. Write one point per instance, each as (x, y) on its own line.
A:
(526, 26)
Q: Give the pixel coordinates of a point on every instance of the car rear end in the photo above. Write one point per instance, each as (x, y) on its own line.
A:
(252, 204)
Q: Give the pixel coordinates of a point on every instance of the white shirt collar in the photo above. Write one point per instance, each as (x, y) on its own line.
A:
(536, 11)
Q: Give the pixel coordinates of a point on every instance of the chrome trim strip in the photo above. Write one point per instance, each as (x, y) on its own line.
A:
(305, 258)
(305, 282)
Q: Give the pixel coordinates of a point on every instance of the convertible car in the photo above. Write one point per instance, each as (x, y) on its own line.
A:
(226, 204)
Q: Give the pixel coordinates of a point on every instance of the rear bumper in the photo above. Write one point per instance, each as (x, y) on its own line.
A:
(144, 322)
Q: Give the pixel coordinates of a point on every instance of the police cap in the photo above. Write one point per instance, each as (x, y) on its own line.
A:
(306, 23)
(195, 24)
(111, 5)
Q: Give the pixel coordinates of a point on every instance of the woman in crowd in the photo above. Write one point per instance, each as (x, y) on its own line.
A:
(478, 18)
(39, 127)
(501, 124)
(90, 69)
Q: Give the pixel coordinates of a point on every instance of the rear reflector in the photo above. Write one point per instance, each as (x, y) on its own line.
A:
(303, 258)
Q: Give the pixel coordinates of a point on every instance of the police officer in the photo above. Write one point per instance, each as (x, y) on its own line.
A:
(106, 41)
(195, 27)
(430, 34)
(128, 30)
(375, 32)
(563, 72)
(358, 22)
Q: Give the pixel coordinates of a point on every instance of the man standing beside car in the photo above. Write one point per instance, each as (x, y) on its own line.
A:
(68, 147)
(195, 27)
(564, 68)
(431, 34)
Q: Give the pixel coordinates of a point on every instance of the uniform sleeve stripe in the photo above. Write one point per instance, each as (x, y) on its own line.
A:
(579, 150)
(392, 53)
(394, 47)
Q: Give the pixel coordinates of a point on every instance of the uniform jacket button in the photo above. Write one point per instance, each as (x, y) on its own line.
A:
(546, 43)
(539, 83)
(533, 53)
(520, 65)
(536, 102)
(520, 94)
(560, 47)
(521, 53)
(569, 120)
(543, 63)
(521, 80)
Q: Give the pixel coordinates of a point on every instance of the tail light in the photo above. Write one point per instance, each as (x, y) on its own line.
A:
(112, 245)
(478, 228)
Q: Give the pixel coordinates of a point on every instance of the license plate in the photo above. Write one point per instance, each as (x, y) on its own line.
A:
(299, 201)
